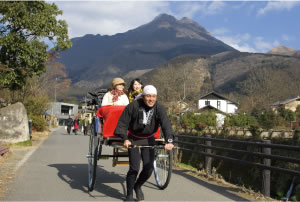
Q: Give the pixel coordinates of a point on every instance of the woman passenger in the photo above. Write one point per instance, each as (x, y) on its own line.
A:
(116, 95)
(135, 88)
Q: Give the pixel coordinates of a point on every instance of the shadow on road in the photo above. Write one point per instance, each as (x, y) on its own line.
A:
(76, 175)
(225, 191)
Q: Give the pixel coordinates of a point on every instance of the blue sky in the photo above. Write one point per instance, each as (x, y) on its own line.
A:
(245, 25)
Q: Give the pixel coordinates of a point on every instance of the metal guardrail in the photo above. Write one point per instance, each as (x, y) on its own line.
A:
(266, 155)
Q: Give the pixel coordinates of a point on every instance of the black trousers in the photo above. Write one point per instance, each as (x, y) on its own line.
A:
(85, 130)
(135, 157)
(69, 129)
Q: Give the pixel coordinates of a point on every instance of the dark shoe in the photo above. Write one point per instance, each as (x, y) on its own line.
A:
(139, 193)
(129, 198)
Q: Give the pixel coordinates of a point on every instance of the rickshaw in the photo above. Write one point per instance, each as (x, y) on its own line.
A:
(101, 134)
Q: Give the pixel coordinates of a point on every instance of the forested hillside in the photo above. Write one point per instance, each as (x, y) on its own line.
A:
(254, 80)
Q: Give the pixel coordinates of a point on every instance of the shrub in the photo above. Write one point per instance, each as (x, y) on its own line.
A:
(38, 122)
(36, 105)
(240, 120)
(199, 122)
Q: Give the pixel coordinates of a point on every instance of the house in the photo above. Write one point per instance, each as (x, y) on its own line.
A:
(290, 104)
(222, 106)
(61, 111)
(219, 102)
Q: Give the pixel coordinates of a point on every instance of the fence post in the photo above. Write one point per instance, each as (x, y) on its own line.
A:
(30, 128)
(266, 184)
(208, 159)
(175, 156)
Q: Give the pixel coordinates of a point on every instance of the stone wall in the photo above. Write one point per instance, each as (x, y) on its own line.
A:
(286, 134)
(14, 124)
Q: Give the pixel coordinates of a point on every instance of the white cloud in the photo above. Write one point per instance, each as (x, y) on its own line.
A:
(263, 46)
(277, 6)
(108, 18)
(245, 42)
(189, 9)
(215, 7)
(240, 42)
(220, 31)
(286, 37)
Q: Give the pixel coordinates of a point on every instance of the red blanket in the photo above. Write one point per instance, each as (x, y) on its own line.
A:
(111, 115)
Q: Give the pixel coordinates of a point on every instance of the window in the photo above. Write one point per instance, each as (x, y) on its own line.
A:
(65, 110)
(219, 104)
(207, 102)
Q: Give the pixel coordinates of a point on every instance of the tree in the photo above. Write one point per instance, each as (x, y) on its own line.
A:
(55, 80)
(24, 27)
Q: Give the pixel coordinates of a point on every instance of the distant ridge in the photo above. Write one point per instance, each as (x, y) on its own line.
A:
(283, 50)
(94, 60)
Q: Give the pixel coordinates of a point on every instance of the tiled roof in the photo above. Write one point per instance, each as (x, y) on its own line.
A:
(286, 101)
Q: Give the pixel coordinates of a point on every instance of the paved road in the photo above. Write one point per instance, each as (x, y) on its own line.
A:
(57, 170)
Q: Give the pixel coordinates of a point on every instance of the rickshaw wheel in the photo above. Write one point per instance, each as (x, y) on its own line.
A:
(163, 167)
(92, 158)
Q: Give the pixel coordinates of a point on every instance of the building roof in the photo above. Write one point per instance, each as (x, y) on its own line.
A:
(64, 103)
(213, 96)
(286, 101)
(209, 107)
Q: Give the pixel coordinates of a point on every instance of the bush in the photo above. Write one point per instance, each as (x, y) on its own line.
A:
(240, 120)
(199, 122)
(36, 105)
(38, 122)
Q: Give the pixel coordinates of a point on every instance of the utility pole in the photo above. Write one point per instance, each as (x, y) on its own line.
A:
(55, 89)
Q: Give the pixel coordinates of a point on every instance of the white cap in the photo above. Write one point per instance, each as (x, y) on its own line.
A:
(149, 89)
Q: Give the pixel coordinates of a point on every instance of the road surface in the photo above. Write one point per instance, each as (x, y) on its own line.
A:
(57, 170)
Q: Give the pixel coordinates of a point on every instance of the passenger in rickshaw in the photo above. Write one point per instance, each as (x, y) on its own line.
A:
(142, 118)
(116, 95)
(135, 88)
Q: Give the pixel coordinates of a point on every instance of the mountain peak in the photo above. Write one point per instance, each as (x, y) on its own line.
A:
(283, 50)
(165, 17)
(187, 20)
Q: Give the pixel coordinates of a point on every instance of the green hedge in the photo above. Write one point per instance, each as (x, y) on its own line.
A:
(38, 122)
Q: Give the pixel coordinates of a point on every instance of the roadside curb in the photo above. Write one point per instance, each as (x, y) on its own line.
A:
(31, 151)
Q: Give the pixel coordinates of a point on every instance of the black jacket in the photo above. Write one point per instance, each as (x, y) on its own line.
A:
(69, 122)
(131, 120)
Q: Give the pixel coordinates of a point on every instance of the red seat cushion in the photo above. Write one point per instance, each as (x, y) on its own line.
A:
(111, 115)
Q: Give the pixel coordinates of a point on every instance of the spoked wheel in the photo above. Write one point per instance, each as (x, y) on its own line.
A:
(163, 167)
(92, 158)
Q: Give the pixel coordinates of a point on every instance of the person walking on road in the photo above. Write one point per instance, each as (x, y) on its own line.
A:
(76, 125)
(69, 124)
(141, 118)
(85, 125)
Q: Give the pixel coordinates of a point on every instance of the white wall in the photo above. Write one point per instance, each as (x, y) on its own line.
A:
(225, 105)
(220, 120)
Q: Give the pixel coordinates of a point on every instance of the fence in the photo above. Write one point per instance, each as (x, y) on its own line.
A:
(266, 155)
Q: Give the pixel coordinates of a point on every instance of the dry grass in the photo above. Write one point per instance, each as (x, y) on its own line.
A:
(16, 153)
(217, 179)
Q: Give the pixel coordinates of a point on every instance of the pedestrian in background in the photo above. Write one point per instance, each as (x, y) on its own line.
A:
(85, 125)
(76, 124)
(69, 124)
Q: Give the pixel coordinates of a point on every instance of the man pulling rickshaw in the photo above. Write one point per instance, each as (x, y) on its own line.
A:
(137, 128)
(142, 118)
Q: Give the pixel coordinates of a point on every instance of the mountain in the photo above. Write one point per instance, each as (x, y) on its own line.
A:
(94, 60)
(255, 79)
(283, 50)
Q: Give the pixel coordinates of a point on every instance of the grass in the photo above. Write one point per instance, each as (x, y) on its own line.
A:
(26, 143)
(189, 167)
